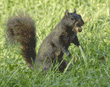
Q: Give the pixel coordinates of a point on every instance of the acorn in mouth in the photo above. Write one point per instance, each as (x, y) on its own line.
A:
(77, 29)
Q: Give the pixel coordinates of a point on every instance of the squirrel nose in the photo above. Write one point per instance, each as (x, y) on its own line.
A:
(83, 22)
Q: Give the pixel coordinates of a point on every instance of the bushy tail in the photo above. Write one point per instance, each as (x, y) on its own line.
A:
(21, 28)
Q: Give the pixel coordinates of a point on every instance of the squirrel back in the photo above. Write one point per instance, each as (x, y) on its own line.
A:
(21, 28)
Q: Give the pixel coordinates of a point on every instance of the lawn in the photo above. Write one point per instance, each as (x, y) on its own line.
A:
(92, 66)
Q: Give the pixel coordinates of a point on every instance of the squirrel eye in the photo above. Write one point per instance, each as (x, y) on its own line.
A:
(72, 18)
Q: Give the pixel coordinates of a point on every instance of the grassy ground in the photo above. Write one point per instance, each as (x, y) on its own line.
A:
(89, 70)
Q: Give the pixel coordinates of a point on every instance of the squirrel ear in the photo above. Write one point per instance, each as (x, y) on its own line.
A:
(74, 10)
(66, 13)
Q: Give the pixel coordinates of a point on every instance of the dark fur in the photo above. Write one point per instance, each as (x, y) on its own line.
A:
(21, 29)
(58, 41)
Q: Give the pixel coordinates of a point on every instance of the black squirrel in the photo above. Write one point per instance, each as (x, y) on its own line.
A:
(22, 29)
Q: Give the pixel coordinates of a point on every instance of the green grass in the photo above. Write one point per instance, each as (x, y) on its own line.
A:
(95, 39)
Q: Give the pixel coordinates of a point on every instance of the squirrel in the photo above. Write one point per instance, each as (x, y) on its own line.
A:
(21, 28)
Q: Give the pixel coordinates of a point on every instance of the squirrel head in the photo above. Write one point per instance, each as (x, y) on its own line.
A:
(73, 21)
